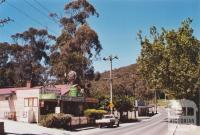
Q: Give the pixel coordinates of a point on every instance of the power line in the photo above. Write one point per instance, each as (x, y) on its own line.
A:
(28, 16)
(2, 1)
(40, 11)
(43, 7)
(7, 32)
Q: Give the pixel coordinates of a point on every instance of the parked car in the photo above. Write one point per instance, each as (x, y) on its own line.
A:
(108, 120)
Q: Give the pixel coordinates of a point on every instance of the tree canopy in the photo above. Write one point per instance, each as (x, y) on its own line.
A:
(170, 60)
(25, 59)
(78, 43)
(35, 54)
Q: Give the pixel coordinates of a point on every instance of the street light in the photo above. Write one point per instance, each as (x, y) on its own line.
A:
(110, 59)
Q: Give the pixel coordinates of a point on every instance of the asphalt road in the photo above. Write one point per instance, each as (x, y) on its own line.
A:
(157, 125)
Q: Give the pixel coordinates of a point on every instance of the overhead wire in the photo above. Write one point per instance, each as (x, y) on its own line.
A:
(9, 33)
(28, 16)
(2, 1)
(44, 8)
(39, 10)
(3, 32)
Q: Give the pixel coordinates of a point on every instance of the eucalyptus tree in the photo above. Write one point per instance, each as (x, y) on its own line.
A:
(30, 55)
(78, 43)
(4, 60)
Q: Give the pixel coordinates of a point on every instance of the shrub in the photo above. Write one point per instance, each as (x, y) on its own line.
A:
(93, 113)
(56, 121)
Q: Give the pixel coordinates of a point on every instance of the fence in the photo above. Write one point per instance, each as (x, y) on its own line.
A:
(77, 122)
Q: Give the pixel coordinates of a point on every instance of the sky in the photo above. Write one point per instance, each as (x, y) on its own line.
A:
(117, 25)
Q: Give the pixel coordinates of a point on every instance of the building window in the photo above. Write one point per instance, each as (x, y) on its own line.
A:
(31, 102)
(190, 111)
(35, 102)
(26, 102)
(183, 111)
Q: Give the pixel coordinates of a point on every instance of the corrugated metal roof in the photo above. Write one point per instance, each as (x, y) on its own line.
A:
(6, 91)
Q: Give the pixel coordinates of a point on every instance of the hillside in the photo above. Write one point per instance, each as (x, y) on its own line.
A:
(124, 78)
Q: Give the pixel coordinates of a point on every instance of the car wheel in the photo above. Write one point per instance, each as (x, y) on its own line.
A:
(111, 125)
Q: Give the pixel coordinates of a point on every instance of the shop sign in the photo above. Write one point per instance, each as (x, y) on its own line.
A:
(91, 100)
(57, 110)
(48, 96)
(73, 99)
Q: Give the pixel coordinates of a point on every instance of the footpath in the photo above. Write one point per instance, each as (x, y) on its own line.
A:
(21, 128)
(187, 130)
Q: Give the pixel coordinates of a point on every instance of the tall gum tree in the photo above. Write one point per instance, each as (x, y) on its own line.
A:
(77, 45)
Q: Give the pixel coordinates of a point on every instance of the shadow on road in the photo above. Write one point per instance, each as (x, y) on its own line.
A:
(82, 129)
(7, 133)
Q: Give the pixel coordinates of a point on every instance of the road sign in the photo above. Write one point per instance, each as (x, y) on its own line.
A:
(111, 105)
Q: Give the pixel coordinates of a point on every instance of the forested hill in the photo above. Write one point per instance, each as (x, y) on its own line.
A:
(125, 80)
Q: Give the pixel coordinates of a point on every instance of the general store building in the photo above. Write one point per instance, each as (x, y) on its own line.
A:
(29, 104)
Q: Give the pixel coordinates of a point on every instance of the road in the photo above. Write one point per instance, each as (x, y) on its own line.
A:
(157, 125)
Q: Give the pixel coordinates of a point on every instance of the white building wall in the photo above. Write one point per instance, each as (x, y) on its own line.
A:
(16, 104)
(7, 105)
(23, 113)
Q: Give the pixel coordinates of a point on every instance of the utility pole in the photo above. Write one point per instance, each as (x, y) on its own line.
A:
(156, 100)
(110, 59)
(198, 117)
(134, 87)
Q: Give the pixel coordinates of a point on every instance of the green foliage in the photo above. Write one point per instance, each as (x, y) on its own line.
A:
(171, 60)
(123, 105)
(25, 59)
(123, 98)
(104, 101)
(56, 121)
(93, 113)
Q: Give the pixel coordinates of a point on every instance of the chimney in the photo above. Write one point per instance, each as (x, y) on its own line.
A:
(28, 84)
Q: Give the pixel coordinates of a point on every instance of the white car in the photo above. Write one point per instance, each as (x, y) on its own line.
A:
(108, 120)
